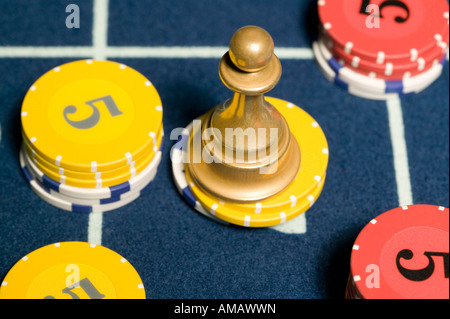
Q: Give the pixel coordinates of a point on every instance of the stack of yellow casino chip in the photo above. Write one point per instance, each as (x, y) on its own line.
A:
(92, 134)
(299, 196)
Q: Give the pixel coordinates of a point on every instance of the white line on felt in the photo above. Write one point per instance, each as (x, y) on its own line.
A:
(160, 52)
(95, 226)
(45, 52)
(400, 152)
(293, 226)
(99, 40)
(100, 29)
(294, 53)
(101, 51)
(171, 52)
(163, 52)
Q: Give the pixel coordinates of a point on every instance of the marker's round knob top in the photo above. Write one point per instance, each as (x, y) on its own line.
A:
(251, 48)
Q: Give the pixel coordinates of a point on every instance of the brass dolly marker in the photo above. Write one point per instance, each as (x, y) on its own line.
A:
(251, 153)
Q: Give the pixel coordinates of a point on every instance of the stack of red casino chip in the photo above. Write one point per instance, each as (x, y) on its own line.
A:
(377, 49)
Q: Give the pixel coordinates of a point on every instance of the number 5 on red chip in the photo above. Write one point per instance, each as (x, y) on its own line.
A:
(402, 254)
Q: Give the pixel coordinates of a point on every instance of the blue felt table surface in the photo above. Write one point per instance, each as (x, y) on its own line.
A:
(178, 252)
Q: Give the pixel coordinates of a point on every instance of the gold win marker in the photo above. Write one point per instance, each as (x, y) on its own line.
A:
(252, 152)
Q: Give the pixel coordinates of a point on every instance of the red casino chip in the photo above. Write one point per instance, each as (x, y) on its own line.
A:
(390, 71)
(386, 31)
(402, 254)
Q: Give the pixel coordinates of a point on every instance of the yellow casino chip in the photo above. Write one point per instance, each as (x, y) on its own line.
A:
(55, 168)
(99, 179)
(91, 115)
(234, 214)
(72, 270)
